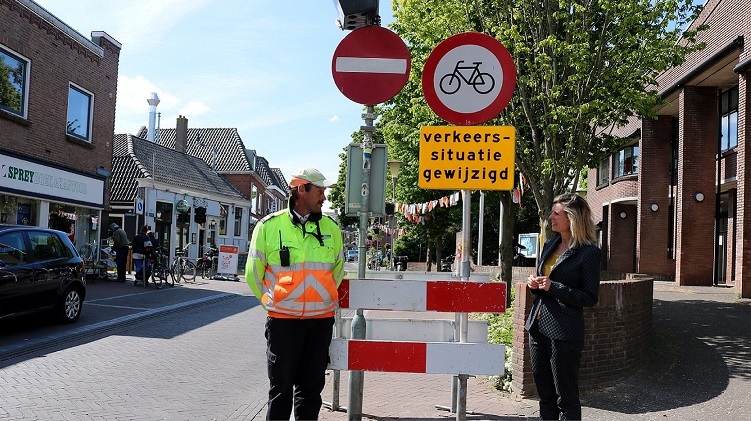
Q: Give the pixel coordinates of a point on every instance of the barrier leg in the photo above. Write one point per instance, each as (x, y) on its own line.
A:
(461, 408)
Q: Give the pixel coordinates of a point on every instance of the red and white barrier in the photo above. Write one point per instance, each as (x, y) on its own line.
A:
(420, 357)
(408, 295)
(417, 357)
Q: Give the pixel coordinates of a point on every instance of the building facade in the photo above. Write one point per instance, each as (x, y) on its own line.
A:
(672, 203)
(185, 202)
(57, 117)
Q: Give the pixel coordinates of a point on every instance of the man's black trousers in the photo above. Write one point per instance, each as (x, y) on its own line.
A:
(298, 353)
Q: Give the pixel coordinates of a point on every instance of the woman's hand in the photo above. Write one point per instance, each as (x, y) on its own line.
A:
(538, 282)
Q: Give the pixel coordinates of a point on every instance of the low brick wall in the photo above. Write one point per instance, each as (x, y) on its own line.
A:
(618, 331)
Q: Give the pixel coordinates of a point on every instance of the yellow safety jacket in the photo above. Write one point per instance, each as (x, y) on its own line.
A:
(307, 287)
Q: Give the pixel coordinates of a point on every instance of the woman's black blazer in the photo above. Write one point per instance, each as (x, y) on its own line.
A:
(576, 282)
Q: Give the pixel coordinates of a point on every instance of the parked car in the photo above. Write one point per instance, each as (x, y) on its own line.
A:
(40, 270)
(352, 255)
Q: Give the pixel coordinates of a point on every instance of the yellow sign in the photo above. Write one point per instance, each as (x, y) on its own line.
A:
(467, 157)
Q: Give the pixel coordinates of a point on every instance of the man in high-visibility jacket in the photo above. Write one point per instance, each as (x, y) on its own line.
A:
(295, 264)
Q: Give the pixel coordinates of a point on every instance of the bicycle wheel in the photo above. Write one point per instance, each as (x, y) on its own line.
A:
(205, 268)
(173, 273)
(86, 252)
(166, 275)
(156, 278)
(188, 271)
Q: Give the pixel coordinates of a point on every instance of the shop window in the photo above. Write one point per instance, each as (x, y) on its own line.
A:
(14, 82)
(18, 211)
(729, 119)
(626, 161)
(238, 221)
(603, 171)
(80, 105)
(63, 218)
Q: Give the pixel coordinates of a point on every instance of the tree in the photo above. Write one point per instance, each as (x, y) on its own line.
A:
(583, 67)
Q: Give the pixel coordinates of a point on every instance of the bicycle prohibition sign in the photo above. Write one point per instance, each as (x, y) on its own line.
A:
(483, 83)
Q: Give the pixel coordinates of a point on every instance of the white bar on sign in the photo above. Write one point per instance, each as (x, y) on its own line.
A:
(371, 294)
(339, 354)
(464, 358)
(371, 65)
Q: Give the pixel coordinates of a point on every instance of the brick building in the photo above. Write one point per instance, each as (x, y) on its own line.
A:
(672, 202)
(57, 118)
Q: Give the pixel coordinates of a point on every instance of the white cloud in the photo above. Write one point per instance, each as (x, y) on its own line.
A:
(334, 119)
(194, 108)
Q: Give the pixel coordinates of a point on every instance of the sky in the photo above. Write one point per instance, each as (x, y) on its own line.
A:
(261, 66)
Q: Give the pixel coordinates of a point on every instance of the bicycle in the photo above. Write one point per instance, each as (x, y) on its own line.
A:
(205, 264)
(182, 268)
(160, 271)
(482, 82)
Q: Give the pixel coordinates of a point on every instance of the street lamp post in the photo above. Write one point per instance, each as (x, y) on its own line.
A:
(394, 167)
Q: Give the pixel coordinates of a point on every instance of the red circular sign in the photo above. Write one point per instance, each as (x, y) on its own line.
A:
(469, 78)
(371, 65)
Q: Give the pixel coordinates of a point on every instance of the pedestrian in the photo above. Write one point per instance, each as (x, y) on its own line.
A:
(567, 280)
(142, 250)
(120, 247)
(295, 264)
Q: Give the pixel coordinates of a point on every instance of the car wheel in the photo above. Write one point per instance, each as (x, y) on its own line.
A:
(69, 307)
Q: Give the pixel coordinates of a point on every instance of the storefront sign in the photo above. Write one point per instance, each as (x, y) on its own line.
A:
(228, 259)
(41, 180)
(182, 206)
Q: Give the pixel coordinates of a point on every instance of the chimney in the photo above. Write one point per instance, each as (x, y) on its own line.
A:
(153, 102)
(181, 134)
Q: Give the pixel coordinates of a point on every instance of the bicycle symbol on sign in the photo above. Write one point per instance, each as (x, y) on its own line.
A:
(452, 82)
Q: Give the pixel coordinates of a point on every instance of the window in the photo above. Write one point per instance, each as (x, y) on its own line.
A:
(626, 161)
(238, 221)
(12, 249)
(48, 246)
(253, 199)
(603, 172)
(14, 82)
(79, 113)
(223, 219)
(729, 119)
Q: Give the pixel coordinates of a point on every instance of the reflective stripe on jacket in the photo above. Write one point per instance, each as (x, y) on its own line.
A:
(307, 287)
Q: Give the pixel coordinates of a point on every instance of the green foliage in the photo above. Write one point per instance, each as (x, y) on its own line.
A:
(583, 68)
(501, 331)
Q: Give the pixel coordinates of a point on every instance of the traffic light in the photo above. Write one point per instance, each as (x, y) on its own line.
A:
(355, 14)
(200, 215)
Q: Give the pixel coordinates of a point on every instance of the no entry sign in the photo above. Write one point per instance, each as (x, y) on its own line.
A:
(469, 78)
(371, 65)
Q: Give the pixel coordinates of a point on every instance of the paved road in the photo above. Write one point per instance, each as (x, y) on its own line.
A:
(203, 362)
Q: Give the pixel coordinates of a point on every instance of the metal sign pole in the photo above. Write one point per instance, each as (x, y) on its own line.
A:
(464, 271)
(357, 378)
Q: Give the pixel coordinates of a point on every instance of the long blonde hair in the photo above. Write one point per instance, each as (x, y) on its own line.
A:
(580, 219)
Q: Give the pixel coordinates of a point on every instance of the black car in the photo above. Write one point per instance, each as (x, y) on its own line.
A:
(40, 270)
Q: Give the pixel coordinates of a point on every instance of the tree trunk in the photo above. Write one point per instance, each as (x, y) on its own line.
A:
(507, 240)
(428, 259)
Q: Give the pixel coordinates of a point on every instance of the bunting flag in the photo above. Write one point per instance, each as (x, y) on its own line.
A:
(417, 212)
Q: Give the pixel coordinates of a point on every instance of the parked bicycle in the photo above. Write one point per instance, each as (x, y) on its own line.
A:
(182, 268)
(160, 270)
(205, 264)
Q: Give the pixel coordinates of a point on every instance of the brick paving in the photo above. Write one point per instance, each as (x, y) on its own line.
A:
(196, 352)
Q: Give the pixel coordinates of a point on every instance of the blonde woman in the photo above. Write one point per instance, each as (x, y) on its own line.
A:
(567, 280)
